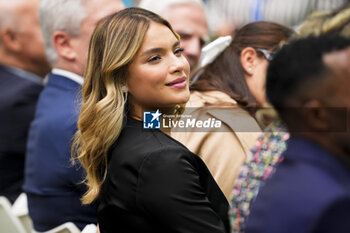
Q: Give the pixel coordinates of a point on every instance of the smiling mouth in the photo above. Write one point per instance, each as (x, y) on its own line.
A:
(178, 83)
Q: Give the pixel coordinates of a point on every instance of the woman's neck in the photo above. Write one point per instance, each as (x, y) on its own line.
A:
(135, 117)
(135, 112)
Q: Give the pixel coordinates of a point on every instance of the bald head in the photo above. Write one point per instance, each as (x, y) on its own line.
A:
(188, 19)
(163, 5)
(338, 62)
(9, 10)
(21, 43)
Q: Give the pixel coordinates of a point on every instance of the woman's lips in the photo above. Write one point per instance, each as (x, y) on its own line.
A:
(178, 83)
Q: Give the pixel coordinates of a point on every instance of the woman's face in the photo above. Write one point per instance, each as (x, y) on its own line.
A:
(255, 68)
(257, 85)
(159, 74)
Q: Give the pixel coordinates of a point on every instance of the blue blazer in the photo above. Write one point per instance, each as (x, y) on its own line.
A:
(18, 98)
(53, 185)
(310, 192)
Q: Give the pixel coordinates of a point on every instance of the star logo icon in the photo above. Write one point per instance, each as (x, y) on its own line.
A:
(151, 120)
(156, 115)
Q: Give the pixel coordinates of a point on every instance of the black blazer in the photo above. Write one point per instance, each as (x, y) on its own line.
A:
(155, 184)
(19, 92)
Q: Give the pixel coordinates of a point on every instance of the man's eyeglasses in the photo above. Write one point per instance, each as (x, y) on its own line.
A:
(267, 54)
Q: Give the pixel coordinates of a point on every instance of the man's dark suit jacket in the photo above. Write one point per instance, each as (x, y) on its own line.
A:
(309, 193)
(19, 92)
(52, 184)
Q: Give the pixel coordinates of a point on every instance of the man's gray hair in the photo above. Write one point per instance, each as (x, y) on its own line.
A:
(160, 6)
(59, 15)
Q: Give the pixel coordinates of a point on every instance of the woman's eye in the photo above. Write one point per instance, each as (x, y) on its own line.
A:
(179, 51)
(154, 58)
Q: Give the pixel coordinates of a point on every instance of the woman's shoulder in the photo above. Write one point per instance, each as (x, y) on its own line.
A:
(212, 98)
(221, 106)
(231, 115)
(166, 146)
(167, 158)
(137, 144)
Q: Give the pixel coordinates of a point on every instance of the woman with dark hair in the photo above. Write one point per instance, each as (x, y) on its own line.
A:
(266, 152)
(228, 89)
(145, 180)
(254, 47)
(240, 69)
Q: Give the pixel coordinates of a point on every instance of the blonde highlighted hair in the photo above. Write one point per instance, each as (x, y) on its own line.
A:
(113, 46)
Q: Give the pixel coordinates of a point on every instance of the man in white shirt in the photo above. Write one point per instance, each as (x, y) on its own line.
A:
(52, 184)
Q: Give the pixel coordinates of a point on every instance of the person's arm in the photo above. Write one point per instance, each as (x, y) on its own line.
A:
(170, 192)
(224, 156)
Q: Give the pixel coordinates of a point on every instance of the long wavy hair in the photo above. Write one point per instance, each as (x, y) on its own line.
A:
(226, 73)
(113, 46)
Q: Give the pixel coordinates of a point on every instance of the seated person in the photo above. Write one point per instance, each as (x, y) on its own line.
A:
(307, 83)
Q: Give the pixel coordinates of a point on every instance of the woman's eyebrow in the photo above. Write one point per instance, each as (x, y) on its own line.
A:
(176, 44)
(157, 50)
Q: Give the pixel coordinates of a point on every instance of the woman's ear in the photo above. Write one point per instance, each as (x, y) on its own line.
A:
(248, 60)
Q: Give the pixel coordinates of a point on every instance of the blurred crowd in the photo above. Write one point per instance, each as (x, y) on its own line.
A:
(274, 72)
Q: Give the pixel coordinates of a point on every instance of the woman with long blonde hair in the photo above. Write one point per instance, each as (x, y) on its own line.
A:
(145, 180)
